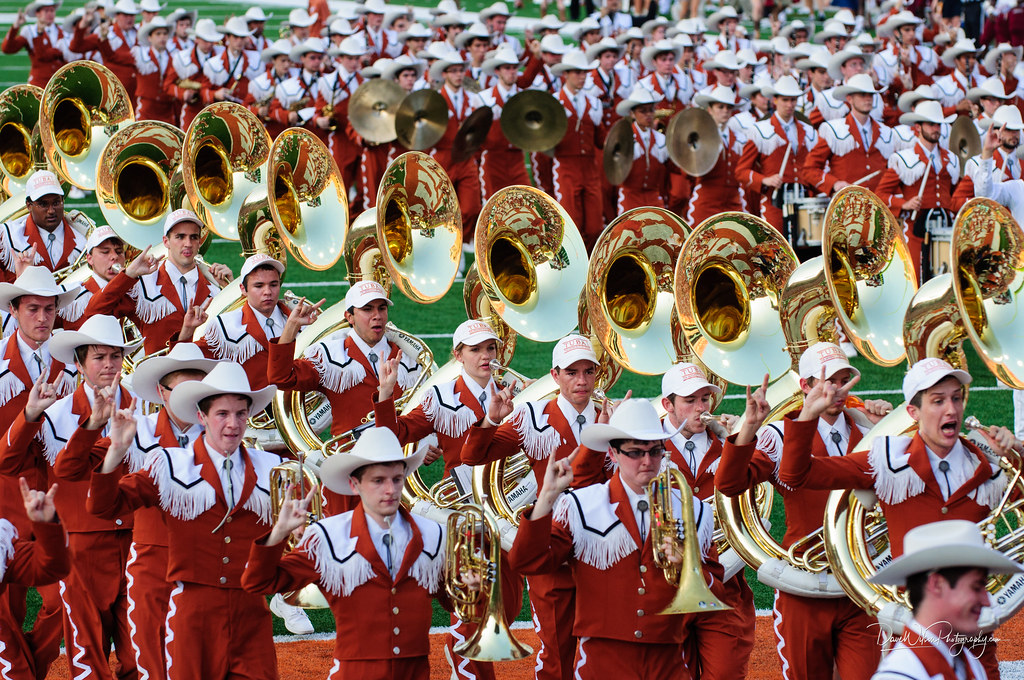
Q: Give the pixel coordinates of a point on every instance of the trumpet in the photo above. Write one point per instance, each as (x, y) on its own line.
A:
(692, 592)
(474, 545)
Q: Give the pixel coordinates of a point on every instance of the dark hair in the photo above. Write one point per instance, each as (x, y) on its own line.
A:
(259, 268)
(916, 582)
(919, 397)
(358, 472)
(82, 351)
(190, 373)
(206, 402)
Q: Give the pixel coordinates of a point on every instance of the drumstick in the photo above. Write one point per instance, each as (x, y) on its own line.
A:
(865, 178)
(920, 192)
(782, 172)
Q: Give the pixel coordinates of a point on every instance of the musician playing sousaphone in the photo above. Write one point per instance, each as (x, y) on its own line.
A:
(104, 253)
(604, 531)
(936, 474)
(718, 190)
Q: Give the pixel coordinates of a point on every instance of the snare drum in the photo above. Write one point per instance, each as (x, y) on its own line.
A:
(941, 252)
(810, 216)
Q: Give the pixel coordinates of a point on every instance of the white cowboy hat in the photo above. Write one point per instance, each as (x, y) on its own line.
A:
(960, 48)
(341, 27)
(503, 56)
(72, 19)
(573, 60)
(779, 45)
(181, 13)
(349, 47)
(30, 11)
(786, 86)
(257, 14)
(443, 64)
(632, 419)
(725, 59)
(154, 24)
(866, 42)
(594, 51)
(306, 46)
(237, 27)
(278, 48)
(553, 44)
(648, 53)
(1008, 117)
(719, 94)
(943, 39)
(638, 97)
(475, 30)
(374, 446)
(949, 543)
(588, 25)
(548, 23)
(858, 84)
(792, 27)
(151, 6)
(904, 18)
(839, 59)
(451, 19)
(394, 15)
(832, 29)
(630, 34)
(376, 68)
(990, 87)
(806, 49)
(126, 7)
(747, 57)
(927, 111)
(227, 377)
(444, 7)
(183, 356)
(649, 26)
(715, 20)
(372, 7)
(908, 100)
(403, 62)
(845, 17)
(438, 49)
(99, 329)
(817, 59)
(207, 30)
(36, 281)
(682, 40)
(301, 18)
(748, 90)
(991, 61)
(415, 30)
(688, 26)
(498, 9)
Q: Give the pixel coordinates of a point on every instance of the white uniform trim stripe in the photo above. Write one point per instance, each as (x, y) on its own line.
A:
(583, 657)
(172, 608)
(133, 628)
(460, 671)
(778, 635)
(80, 670)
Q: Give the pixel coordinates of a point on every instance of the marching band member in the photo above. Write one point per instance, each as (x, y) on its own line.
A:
(501, 164)
(952, 89)
(663, 78)
(724, 22)
(230, 72)
(905, 64)
(718, 190)
(604, 84)
(263, 87)
(167, 295)
(256, 22)
(775, 150)
(44, 40)
(612, 19)
(934, 475)
(576, 155)
(988, 96)
(604, 532)
(294, 102)
(104, 253)
(377, 559)
(181, 21)
(989, 180)
(1001, 62)
(47, 236)
(379, 41)
(333, 95)
(546, 431)
(496, 18)
(815, 634)
(116, 44)
(95, 605)
(724, 68)
(843, 66)
(465, 173)
(214, 499)
(153, 61)
(926, 201)
(945, 568)
(852, 150)
(150, 9)
(448, 411)
(630, 68)
(813, 100)
(474, 43)
(1008, 123)
(538, 75)
(301, 24)
(833, 36)
(646, 184)
(187, 83)
(413, 40)
(33, 301)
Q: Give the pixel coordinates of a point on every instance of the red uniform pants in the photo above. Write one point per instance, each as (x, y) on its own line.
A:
(816, 634)
(578, 190)
(27, 656)
(553, 601)
(630, 198)
(602, 658)
(412, 668)
(148, 591)
(218, 634)
(914, 245)
(541, 164)
(348, 155)
(96, 604)
(500, 169)
(152, 109)
(718, 644)
(465, 177)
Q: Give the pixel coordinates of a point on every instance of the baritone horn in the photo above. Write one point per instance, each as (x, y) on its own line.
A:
(474, 545)
(692, 593)
(83, 106)
(292, 480)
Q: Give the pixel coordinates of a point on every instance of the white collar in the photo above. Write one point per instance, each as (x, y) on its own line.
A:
(570, 413)
(382, 348)
(474, 386)
(191, 276)
(27, 352)
(218, 458)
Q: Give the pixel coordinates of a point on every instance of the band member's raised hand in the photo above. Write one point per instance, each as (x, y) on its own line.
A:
(876, 409)
(41, 397)
(303, 314)
(103, 405)
(23, 259)
(292, 518)
(221, 273)
(557, 478)
(990, 142)
(756, 411)
(194, 318)
(121, 434)
(1001, 440)
(19, 21)
(38, 504)
(388, 378)
(433, 453)
(499, 406)
(608, 407)
(143, 264)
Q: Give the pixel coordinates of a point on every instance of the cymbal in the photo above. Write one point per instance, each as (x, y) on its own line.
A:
(693, 141)
(372, 109)
(618, 151)
(533, 121)
(964, 140)
(472, 133)
(421, 120)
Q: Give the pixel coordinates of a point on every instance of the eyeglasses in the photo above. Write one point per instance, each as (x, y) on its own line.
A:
(637, 454)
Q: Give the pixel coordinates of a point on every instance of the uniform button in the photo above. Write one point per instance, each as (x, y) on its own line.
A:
(394, 591)
(223, 579)
(639, 612)
(227, 539)
(944, 510)
(638, 634)
(225, 560)
(396, 650)
(394, 611)
(397, 630)
(228, 520)
(696, 490)
(643, 568)
(118, 522)
(641, 591)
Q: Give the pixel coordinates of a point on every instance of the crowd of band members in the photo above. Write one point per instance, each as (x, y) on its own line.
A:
(169, 537)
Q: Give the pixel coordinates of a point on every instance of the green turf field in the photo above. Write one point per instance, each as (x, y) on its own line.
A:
(436, 322)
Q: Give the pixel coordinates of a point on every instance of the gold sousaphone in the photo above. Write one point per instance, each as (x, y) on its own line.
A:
(21, 147)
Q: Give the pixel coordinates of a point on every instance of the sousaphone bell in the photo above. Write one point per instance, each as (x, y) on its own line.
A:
(21, 149)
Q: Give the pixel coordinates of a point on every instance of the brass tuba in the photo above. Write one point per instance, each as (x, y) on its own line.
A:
(474, 545)
(83, 106)
(21, 149)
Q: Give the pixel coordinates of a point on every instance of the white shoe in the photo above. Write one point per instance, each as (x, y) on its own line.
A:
(295, 619)
(75, 193)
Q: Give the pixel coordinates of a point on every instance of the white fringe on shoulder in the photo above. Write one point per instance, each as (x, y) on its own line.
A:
(908, 166)
(48, 437)
(10, 386)
(540, 443)
(337, 578)
(333, 375)
(895, 480)
(449, 417)
(67, 382)
(150, 310)
(73, 310)
(8, 533)
(766, 145)
(183, 503)
(837, 135)
(238, 352)
(428, 572)
(597, 550)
